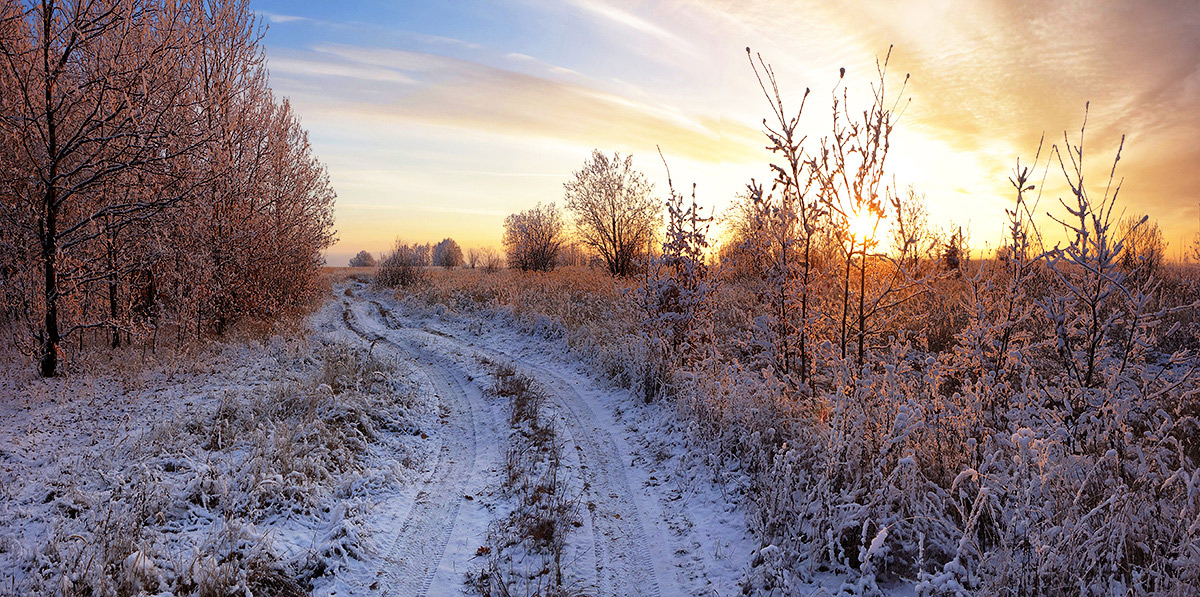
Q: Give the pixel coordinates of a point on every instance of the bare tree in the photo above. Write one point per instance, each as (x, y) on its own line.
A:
(490, 260)
(532, 238)
(912, 238)
(778, 229)
(614, 210)
(849, 173)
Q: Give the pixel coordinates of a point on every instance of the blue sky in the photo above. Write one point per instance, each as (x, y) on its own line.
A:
(436, 119)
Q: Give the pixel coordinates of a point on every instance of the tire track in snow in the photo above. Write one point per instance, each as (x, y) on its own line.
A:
(415, 550)
(622, 565)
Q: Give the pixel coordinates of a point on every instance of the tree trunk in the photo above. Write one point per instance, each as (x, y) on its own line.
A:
(113, 310)
(50, 337)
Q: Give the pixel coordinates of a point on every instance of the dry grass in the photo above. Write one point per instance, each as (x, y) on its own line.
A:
(525, 549)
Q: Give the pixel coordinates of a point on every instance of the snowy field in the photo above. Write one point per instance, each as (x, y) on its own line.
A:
(490, 434)
(372, 455)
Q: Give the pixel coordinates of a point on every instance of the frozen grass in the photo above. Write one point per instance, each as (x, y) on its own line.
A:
(941, 464)
(524, 553)
(239, 468)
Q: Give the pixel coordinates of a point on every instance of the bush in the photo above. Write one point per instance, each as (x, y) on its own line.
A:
(363, 259)
(402, 268)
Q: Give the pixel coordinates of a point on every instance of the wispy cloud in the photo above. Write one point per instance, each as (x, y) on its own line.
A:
(274, 17)
(629, 20)
(316, 68)
(469, 95)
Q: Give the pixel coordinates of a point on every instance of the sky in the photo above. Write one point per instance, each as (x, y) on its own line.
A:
(437, 119)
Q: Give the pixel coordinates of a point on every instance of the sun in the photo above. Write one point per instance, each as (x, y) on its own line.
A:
(863, 225)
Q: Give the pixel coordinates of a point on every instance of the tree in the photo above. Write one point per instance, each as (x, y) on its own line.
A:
(363, 259)
(532, 238)
(490, 260)
(912, 237)
(675, 294)
(104, 101)
(146, 170)
(615, 213)
(447, 254)
(778, 229)
(954, 252)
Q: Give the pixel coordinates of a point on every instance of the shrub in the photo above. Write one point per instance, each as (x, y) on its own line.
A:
(363, 259)
(402, 267)
(532, 238)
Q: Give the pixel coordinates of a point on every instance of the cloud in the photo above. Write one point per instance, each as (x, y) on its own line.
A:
(273, 17)
(468, 95)
(629, 20)
(289, 64)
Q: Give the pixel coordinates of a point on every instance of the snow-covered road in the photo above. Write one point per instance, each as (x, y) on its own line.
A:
(413, 548)
(640, 536)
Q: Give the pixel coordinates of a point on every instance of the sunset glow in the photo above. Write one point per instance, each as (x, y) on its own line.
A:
(864, 226)
(438, 119)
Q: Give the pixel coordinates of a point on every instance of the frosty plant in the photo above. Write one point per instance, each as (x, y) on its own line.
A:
(675, 289)
(1098, 316)
(993, 352)
(786, 223)
(850, 178)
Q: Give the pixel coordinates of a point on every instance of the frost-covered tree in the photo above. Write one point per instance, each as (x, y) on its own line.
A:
(363, 259)
(614, 209)
(102, 93)
(149, 173)
(447, 254)
(533, 238)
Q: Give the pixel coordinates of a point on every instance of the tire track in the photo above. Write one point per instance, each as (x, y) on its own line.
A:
(415, 551)
(622, 565)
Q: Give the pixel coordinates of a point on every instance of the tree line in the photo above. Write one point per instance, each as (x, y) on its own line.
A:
(149, 175)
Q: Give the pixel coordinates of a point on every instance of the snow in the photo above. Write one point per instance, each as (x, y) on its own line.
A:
(186, 472)
(659, 526)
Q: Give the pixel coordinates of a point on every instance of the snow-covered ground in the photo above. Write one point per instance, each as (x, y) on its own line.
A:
(655, 523)
(243, 465)
(364, 458)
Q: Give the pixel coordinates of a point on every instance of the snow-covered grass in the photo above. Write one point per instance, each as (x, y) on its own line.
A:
(236, 468)
(940, 466)
(527, 551)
